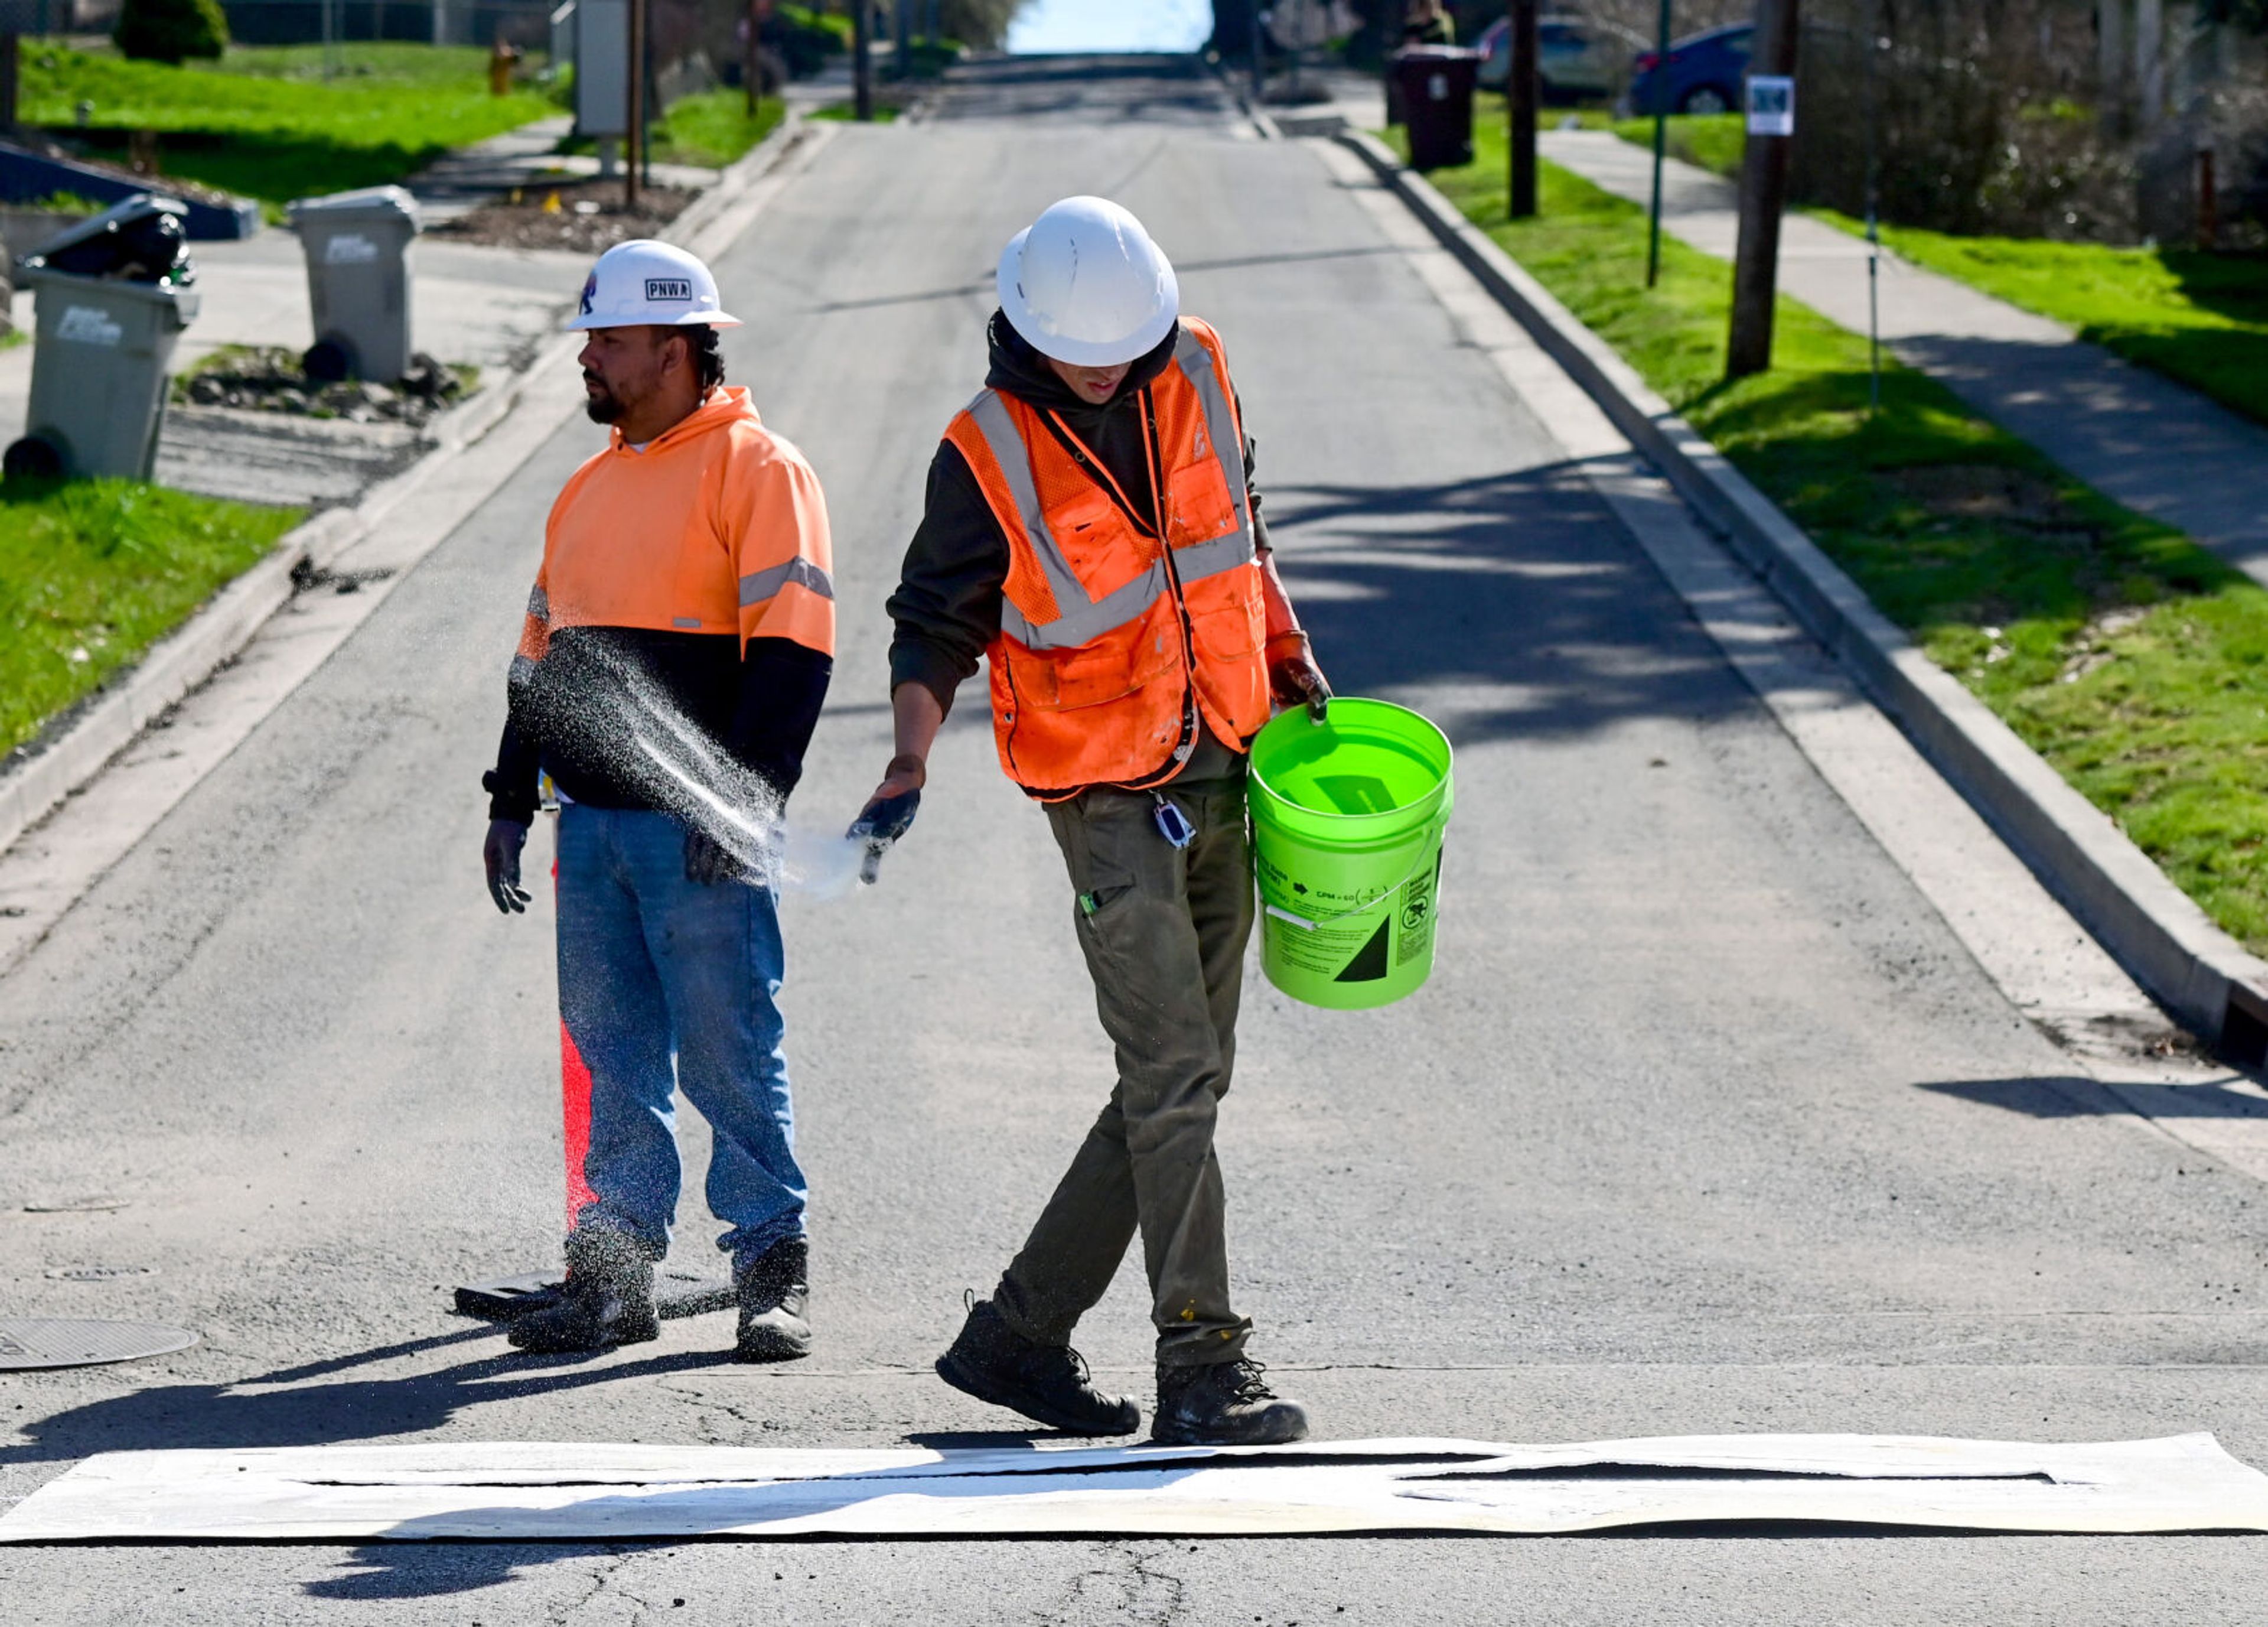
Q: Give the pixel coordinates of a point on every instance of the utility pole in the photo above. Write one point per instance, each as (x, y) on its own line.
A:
(1522, 87)
(1764, 195)
(635, 138)
(1660, 145)
(862, 59)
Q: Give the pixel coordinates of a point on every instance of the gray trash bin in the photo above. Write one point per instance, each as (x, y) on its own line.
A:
(357, 248)
(112, 301)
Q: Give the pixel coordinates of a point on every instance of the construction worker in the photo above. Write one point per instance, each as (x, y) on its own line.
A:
(681, 631)
(1091, 530)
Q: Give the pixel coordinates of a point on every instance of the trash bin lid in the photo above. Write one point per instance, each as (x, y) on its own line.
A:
(365, 203)
(141, 239)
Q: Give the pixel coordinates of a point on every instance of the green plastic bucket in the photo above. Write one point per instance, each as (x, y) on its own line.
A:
(1347, 818)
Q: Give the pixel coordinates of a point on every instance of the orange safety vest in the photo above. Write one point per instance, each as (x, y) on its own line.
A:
(1112, 648)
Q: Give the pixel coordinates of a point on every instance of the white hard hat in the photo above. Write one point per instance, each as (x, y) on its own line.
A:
(1085, 284)
(643, 283)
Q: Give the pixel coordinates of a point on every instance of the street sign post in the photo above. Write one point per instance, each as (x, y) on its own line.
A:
(1660, 146)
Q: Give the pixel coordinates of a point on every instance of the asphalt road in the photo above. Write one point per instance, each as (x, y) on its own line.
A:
(1706, 1121)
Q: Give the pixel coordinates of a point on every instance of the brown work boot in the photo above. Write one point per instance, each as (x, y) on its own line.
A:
(1223, 1404)
(774, 1302)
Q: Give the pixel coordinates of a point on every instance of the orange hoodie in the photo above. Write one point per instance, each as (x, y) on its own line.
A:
(717, 526)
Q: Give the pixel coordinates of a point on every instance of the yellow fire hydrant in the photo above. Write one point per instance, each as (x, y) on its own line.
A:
(502, 60)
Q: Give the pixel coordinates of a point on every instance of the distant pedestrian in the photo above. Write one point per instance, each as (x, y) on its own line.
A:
(1092, 532)
(1427, 23)
(685, 585)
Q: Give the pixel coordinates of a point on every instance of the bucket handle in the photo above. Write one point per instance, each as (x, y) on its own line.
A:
(1312, 923)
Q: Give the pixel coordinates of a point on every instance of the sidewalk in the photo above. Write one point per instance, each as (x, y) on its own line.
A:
(2144, 440)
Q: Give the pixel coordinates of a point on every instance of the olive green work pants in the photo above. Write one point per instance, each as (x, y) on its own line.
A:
(1164, 933)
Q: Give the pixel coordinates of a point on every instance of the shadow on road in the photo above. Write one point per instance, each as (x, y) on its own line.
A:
(2075, 1097)
(249, 1413)
(1522, 590)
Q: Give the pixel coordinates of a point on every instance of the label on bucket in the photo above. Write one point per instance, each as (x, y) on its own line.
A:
(351, 248)
(1414, 916)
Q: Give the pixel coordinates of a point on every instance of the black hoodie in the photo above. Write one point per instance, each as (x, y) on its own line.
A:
(947, 605)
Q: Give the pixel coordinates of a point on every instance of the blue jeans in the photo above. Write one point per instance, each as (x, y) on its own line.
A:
(664, 982)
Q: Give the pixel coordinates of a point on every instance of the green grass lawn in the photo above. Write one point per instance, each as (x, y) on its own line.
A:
(710, 128)
(714, 128)
(1711, 141)
(2201, 318)
(95, 572)
(846, 112)
(2127, 656)
(266, 124)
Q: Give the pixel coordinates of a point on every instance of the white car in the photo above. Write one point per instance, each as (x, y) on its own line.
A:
(1578, 60)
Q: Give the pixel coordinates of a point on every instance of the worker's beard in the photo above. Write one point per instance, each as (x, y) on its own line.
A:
(605, 406)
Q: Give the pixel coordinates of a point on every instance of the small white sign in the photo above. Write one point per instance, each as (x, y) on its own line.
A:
(1771, 105)
(351, 248)
(88, 324)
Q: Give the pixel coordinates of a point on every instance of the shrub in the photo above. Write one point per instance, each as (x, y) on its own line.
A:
(171, 31)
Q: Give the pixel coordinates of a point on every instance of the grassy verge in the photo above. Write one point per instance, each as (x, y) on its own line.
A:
(94, 572)
(2127, 656)
(710, 128)
(844, 111)
(266, 124)
(1710, 141)
(2200, 318)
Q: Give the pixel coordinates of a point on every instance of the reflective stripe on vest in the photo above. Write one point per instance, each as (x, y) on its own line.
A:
(1195, 363)
(1080, 620)
(765, 584)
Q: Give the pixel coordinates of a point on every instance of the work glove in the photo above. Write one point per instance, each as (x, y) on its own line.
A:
(707, 863)
(500, 856)
(889, 812)
(1293, 678)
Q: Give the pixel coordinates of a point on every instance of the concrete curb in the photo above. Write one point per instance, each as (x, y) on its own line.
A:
(2207, 980)
(209, 639)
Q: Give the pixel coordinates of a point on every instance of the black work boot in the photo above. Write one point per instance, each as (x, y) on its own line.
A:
(607, 1298)
(1225, 1404)
(1047, 1383)
(774, 1298)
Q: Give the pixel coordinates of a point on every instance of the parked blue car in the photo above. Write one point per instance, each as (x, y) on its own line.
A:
(1702, 73)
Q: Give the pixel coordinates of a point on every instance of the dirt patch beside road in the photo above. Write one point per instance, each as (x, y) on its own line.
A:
(583, 216)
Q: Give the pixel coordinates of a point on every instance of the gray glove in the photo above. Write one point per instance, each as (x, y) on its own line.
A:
(500, 854)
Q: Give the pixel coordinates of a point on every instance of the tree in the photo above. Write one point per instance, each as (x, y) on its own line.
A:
(171, 31)
(2251, 14)
(980, 23)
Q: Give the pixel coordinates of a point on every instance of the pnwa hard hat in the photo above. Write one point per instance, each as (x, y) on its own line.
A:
(645, 283)
(1085, 284)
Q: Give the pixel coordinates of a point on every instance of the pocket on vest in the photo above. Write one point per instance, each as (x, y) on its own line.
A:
(1094, 674)
(1228, 632)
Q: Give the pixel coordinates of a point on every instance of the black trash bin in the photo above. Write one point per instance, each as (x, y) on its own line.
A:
(1434, 86)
